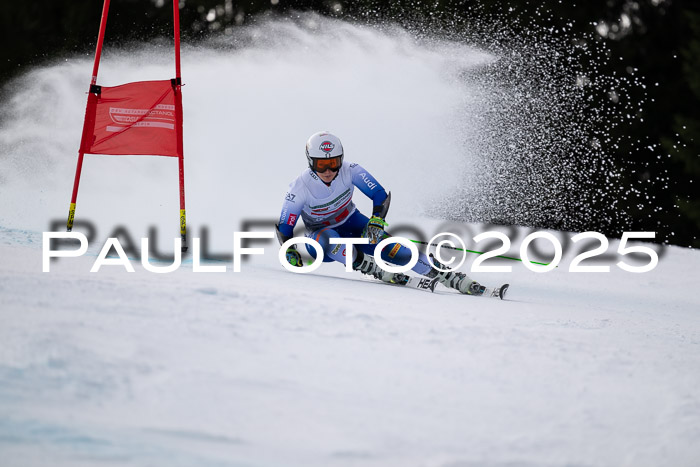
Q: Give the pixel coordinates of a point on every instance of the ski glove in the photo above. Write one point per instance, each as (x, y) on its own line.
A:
(375, 230)
(293, 257)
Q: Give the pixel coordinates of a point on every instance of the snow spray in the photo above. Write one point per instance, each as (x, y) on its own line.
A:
(456, 131)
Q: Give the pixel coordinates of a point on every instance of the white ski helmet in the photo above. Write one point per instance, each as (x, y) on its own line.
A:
(324, 151)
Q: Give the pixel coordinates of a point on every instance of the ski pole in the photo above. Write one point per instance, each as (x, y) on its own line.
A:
(475, 252)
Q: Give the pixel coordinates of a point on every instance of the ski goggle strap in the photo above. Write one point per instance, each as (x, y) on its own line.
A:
(321, 165)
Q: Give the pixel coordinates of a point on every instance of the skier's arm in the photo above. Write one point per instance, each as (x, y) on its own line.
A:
(380, 201)
(381, 209)
(288, 219)
(375, 226)
(291, 208)
(372, 189)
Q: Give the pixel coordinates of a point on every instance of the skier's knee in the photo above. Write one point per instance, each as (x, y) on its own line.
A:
(396, 254)
(323, 237)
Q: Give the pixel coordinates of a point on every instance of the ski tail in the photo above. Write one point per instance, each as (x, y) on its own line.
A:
(496, 292)
(422, 283)
(502, 291)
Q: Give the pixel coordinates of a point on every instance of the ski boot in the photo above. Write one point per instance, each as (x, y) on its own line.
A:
(366, 265)
(455, 280)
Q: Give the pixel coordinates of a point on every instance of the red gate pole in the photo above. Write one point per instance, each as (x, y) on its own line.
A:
(177, 85)
(92, 96)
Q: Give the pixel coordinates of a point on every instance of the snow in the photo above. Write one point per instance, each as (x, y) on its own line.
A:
(268, 368)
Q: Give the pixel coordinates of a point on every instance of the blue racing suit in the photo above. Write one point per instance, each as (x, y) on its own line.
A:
(328, 211)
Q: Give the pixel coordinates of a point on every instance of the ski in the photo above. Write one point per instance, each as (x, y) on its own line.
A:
(496, 292)
(421, 283)
(493, 292)
(404, 280)
(424, 283)
(368, 267)
(412, 282)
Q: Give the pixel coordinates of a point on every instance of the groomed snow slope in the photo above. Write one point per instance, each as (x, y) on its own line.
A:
(268, 368)
(265, 367)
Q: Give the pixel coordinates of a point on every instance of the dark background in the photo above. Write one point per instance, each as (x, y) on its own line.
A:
(657, 41)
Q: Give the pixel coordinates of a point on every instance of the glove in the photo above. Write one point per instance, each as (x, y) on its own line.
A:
(375, 229)
(293, 257)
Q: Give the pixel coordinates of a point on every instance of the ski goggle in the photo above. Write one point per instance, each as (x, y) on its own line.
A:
(321, 165)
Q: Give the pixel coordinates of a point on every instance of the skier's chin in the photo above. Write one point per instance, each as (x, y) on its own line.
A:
(327, 177)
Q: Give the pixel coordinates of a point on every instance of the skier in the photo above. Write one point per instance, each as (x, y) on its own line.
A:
(322, 196)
